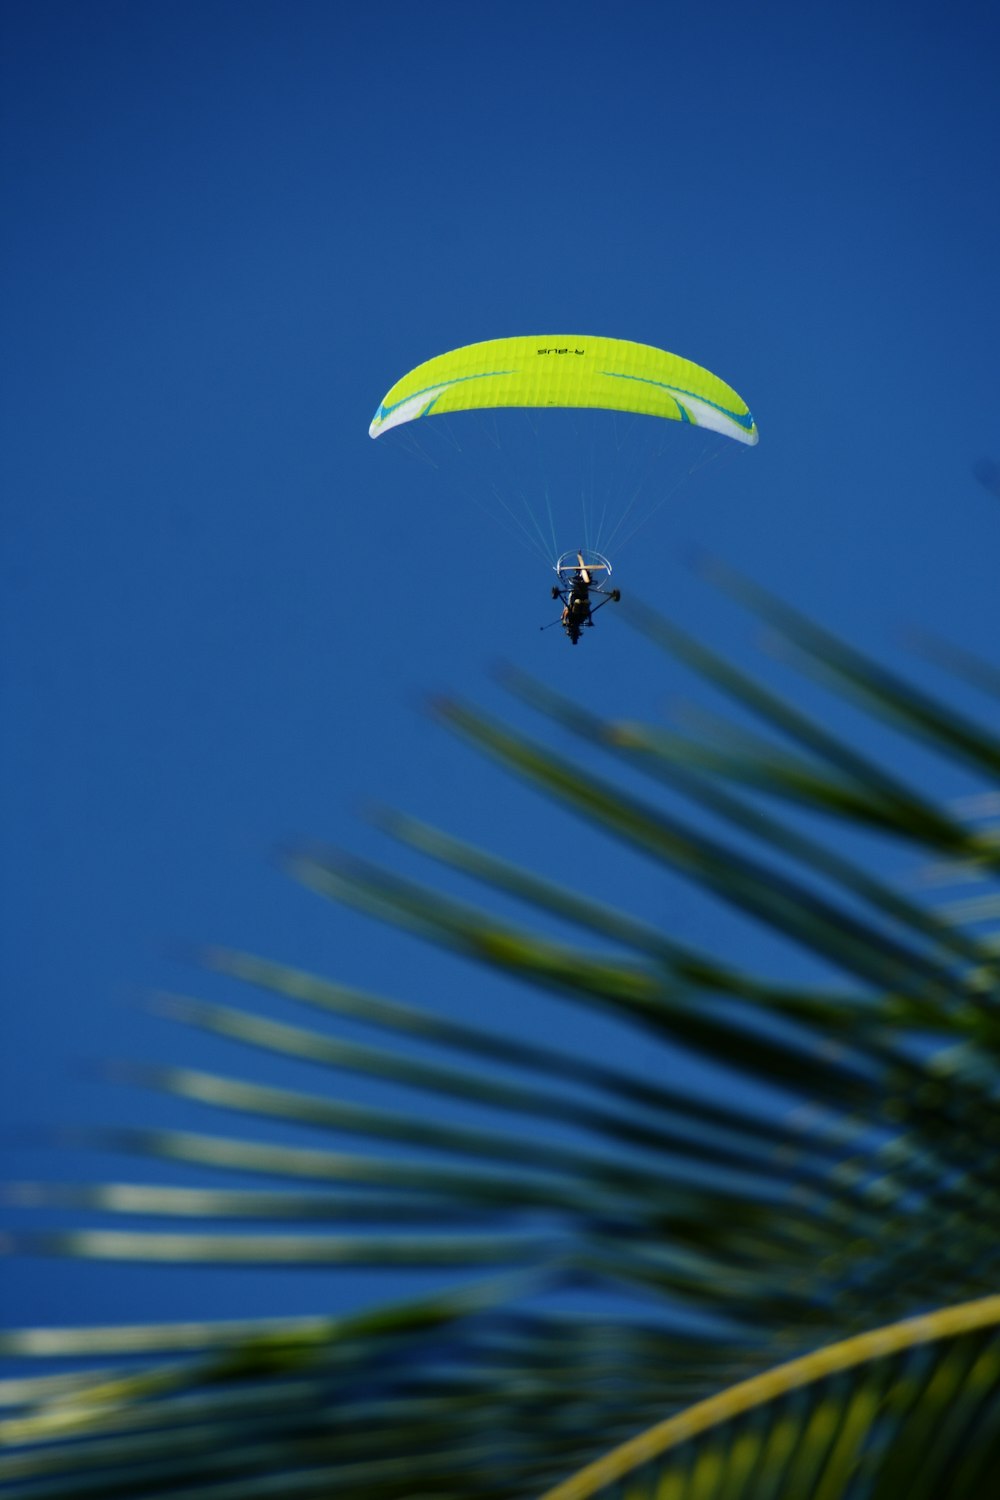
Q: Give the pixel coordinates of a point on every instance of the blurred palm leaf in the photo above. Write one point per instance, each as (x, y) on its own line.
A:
(712, 1236)
(913, 1409)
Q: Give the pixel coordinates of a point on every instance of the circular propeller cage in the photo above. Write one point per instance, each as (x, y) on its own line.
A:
(594, 563)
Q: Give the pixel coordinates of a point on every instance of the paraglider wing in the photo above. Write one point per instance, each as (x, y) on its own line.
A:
(567, 370)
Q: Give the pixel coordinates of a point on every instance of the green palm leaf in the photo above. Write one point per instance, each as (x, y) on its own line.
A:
(902, 1410)
(732, 1256)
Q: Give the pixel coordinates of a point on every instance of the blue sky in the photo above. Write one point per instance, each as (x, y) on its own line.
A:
(229, 229)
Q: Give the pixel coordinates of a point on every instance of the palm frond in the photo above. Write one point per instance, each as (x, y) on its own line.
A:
(901, 1410)
(765, 1168)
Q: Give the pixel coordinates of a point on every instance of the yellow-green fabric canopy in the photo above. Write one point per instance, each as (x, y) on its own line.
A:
(567, 370)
